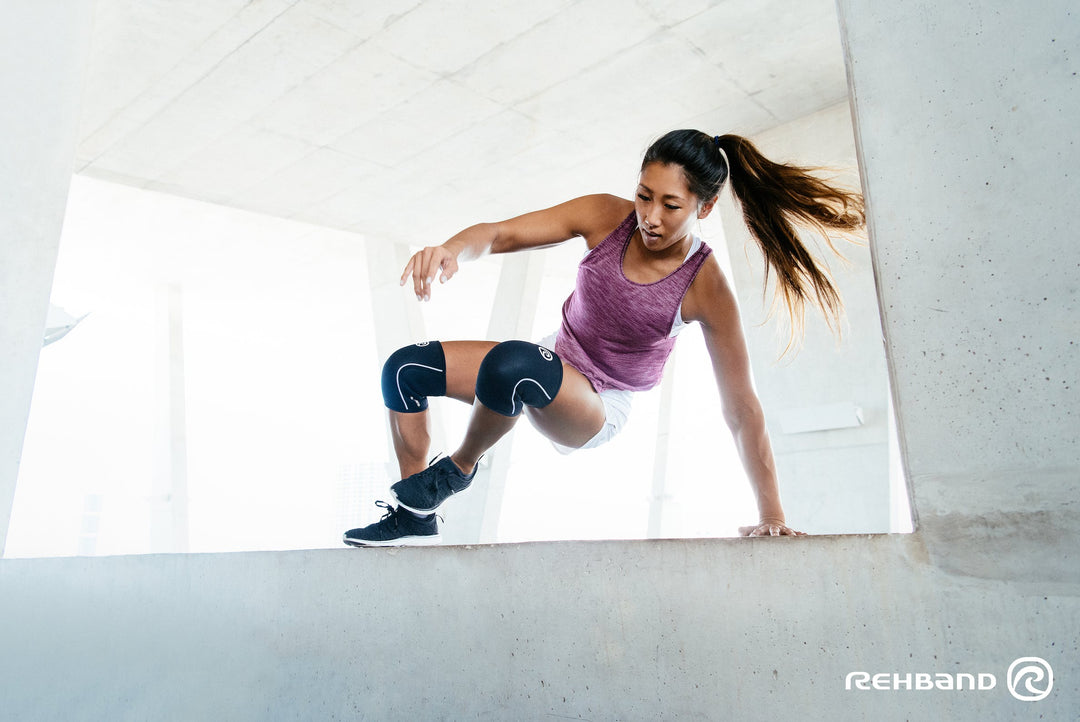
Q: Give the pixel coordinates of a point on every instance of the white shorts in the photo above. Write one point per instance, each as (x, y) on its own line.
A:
(617, 404)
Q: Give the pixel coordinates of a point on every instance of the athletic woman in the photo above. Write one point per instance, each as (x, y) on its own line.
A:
(644, 278)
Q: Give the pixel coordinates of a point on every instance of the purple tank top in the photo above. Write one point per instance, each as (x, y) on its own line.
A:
(617, 332)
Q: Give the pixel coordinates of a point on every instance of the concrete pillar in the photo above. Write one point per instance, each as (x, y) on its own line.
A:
(476, 515)
(399, 324)
(169, 508)
(969, 166)
(43, 47)
(659, 497)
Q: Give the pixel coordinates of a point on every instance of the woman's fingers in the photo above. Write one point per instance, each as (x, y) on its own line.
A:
(449, 268)
(769, 530)
(414, 268)
(423, 278)
(424, 266)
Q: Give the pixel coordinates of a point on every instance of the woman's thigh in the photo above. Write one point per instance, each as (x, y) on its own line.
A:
(462, 364)
(571, 419)
(576, 414)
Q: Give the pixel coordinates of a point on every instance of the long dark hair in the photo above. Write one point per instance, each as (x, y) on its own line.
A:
(775, 199)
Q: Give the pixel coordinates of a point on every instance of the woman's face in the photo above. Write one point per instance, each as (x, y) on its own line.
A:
(666, 209)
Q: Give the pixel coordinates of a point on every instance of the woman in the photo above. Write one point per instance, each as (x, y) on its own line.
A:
(644, 278)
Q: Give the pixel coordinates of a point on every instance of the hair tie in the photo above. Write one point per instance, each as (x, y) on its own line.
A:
(727, 163)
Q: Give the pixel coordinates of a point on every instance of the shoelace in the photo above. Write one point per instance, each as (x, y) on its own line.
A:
(440, 477)
(391, 513)
(443, 477)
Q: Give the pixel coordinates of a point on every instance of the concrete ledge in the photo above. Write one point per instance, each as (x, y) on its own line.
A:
(709, 629)
(1009, 524)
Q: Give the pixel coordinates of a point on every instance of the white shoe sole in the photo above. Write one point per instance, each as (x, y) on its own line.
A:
(413, 509)
(405, 541)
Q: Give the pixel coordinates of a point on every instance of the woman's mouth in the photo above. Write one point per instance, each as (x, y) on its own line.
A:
(650, 236)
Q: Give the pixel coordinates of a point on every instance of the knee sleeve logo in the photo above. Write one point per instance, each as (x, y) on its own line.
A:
(545, 353)
(423, 343)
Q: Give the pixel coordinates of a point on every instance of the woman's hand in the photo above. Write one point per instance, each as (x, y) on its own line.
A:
(590, 217)
(425, 265)
(769, 528)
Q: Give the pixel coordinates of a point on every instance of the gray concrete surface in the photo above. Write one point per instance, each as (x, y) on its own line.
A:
(682, 629)
(968, 161)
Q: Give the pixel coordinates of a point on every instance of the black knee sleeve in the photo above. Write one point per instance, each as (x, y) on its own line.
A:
(413, 373)
(516, 374)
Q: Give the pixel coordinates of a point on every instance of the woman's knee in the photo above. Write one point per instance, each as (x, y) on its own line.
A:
(412, 374)
(515, 374)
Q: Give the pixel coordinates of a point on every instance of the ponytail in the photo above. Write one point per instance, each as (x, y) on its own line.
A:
(775, 199)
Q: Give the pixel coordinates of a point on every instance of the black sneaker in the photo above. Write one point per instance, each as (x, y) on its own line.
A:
(395, 529)
(423, 492)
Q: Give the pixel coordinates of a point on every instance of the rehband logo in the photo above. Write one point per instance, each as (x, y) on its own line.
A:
(423, 343)
(545, 353)
(1029, 679)
(883, 681)
(1037, 676)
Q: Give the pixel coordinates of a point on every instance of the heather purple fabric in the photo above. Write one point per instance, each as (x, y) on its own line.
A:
(617, 332)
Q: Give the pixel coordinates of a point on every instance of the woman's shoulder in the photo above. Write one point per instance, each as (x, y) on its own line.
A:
(606, 203)
(710, 295)
(600, 214)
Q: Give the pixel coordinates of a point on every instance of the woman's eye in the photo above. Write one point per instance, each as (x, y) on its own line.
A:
(671, 207)
(642, 196)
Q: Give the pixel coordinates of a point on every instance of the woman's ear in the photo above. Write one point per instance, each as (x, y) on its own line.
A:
(707, 207)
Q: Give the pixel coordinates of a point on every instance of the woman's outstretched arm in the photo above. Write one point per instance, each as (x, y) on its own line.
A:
(712, 303)
(590, 217)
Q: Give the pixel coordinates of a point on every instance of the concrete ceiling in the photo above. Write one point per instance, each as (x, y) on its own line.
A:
(405, 120)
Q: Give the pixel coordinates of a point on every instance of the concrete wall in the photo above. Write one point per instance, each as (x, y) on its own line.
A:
(43, 47)
(969, 167)
(681, 629)
(964, 118)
